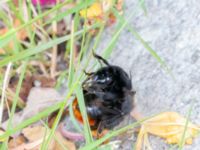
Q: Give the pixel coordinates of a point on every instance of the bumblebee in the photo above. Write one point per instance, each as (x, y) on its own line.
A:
(108, 96)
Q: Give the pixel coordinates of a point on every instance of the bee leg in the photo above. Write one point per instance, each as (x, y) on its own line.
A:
(88, 73)
(99, 58)
(112, 120)
(99, 130)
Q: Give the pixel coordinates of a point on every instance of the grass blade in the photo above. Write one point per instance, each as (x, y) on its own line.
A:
(181, 144)
(144, 43)
(81, 103)
(71, 63)
(40, 48)
(31, 120)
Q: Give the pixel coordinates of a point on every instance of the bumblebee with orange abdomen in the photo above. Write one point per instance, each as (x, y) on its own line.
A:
(108, 96)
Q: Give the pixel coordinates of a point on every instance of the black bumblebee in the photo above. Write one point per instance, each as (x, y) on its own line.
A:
(108, 96)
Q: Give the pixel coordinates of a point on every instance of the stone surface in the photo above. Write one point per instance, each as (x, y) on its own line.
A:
(172, 29)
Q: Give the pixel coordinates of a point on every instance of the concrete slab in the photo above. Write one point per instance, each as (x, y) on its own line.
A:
(172, 29)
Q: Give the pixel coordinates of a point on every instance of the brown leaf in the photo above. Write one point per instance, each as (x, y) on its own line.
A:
(27, 84)
(34, 133)
(35, 136)
(66, 143)
(28, 146)
(21, 35)
(45, 81)
(16, 142)
(2, 51)
(38, 100)
(119, 5)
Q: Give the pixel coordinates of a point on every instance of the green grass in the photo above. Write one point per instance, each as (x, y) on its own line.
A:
(183, 138)
(20, 56)
(14, 104)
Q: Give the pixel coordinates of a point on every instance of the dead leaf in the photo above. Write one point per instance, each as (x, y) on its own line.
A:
(10, 96)
(69, 145)
(34, 133)
(38, 100)
(27, 84)
(16, 141)
(94, 11)
(119, 5)
(2, 52)
(45, 81)
(21, 35)
(100, 11)
(27, 146)
(167, 125)
(35, 136)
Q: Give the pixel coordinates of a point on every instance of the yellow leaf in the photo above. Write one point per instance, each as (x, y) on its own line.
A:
(95, 10)
(100, 11)
(170, 126)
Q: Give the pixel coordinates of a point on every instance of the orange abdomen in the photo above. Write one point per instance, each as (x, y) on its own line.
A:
(78, 115)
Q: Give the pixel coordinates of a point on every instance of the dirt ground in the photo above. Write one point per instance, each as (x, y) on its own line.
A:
(172, 29)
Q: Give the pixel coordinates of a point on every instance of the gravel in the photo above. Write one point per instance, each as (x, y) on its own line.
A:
(172, 29)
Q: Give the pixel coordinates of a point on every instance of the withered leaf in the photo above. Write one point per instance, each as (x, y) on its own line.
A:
(167, 125)
(35, 136)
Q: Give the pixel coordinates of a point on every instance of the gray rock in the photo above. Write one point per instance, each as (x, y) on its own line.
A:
(172, 29)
